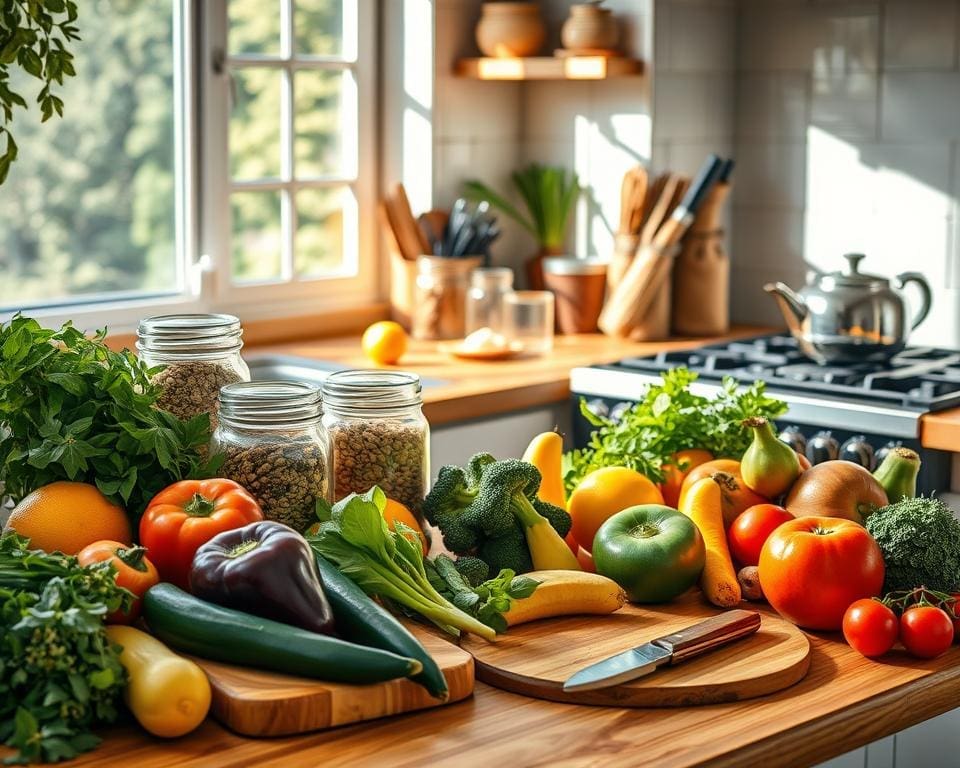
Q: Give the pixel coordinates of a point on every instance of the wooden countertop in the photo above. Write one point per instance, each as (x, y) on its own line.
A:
(844, 702)
(471, 390)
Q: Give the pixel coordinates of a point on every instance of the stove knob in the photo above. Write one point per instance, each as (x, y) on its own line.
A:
(617, 412)
(822, 447)
(598, 408)
(859, 451)
(882, 452)
(793, 437)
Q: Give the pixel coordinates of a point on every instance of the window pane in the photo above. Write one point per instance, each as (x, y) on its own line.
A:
(318, 117)
(254, 26)
(255, 124)
(256, 236)
(89, 205)
(318, 27)
(319, 245)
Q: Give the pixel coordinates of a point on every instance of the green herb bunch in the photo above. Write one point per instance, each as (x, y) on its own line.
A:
(33, 35)
(59, 673)
(72, 409)
(670, 418)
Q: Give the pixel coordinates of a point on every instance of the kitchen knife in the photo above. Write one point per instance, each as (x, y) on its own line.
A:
(670, 649)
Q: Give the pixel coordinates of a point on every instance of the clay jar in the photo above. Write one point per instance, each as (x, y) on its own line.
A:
(578, 285)
(508, 29)
(589, 28)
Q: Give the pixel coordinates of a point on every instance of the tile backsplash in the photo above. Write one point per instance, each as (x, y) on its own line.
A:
(848, 139)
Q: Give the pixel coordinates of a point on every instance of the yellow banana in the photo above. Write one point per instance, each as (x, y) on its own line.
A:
(566, 593)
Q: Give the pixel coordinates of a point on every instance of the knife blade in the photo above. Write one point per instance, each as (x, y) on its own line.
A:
(669, 649)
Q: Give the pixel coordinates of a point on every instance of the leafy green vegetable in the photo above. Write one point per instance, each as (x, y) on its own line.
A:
(920, 541)
(59, 673)
(671, 418)
(72, 409)
(33, 37)
(487, 601)
(386, 564)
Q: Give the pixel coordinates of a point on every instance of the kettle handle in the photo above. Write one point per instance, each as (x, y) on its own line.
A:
(925, 293)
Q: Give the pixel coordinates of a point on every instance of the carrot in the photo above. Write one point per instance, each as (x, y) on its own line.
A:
(703, 505)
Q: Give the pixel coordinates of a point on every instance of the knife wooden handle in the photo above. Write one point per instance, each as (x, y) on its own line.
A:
(710, 634)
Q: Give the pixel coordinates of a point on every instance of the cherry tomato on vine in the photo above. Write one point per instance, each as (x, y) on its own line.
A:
(926, 631)
(870, 627)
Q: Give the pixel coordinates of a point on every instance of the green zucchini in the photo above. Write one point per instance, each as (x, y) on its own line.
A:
(360, 619)
(189, 624)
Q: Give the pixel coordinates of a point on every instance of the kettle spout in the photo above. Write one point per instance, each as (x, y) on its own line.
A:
(793, 307)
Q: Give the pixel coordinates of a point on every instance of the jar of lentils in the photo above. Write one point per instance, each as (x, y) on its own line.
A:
(274, 446)
(377, 435)
(200, 354)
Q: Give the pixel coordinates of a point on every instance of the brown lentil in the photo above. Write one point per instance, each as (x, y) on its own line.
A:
(191, 387)
(285, 476)
(391, 454)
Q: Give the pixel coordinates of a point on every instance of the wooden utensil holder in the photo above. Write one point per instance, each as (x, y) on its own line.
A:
(625, 247)
(701, 286)
(403, 286)
(640, 303)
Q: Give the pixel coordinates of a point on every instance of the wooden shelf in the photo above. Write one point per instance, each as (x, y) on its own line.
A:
(549, 68)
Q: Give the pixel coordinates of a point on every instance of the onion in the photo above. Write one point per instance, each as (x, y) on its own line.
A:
(836, 489)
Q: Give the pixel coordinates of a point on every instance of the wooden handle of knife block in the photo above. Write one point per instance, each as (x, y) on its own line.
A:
(710, 634)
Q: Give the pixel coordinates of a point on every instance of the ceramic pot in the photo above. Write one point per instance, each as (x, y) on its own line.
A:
(534, 266)
(588, 28)
(508, 30)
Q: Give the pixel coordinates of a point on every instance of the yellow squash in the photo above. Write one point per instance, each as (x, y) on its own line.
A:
(168, 694)
(704, 505)
(545, 452)
(566, 593)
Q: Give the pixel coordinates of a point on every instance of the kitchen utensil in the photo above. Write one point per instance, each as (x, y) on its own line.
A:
(661, 208)
(685, 644)
(433, 223)
(528, 318)
(633, 194)
(410, 239)
(255, 703)
(578, 285)
(535, 659)
(469, 231)
(850, 315)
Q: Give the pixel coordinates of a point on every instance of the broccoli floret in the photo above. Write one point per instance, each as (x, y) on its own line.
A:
(477, 464)
(558, 517)
(507, 551)
(451, 495)
(474, 570)
(920, 541)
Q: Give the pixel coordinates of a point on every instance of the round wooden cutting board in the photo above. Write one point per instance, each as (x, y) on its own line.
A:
(534, 659)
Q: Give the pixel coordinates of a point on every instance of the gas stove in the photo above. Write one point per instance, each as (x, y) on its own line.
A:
(879, 404)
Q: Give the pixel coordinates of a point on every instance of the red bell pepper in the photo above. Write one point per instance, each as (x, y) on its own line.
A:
(186, 515)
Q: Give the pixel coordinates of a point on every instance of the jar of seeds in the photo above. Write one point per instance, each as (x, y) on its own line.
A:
(200, 354)
(274, 446)
(377, 435)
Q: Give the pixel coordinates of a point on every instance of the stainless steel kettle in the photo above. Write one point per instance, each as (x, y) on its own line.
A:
(851, 316)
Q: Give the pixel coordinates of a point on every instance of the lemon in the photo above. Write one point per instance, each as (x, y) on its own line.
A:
(384, 342)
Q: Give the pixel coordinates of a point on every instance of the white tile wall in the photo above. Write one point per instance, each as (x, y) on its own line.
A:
(919, 34)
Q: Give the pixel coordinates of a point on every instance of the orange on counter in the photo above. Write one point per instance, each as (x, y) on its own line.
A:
(66, 516)
(674, 473)
(602, 494)
(384, 342)
(396, 511)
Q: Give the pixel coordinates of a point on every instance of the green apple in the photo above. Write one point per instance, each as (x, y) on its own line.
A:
(655, 553)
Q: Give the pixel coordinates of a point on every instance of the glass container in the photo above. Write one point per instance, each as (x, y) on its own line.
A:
(440, 296)
(377, 435)
(200, 354)
(528, 320)
(488, 287)
(272, 439)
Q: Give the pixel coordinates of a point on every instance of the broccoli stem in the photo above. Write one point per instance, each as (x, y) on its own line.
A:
(524, 511)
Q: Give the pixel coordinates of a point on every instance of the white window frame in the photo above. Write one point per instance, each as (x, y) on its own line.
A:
(203, 271)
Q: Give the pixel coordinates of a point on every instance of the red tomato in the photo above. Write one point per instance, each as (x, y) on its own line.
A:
(752, 528)
(134, 572)
(813, 568)
(926, 631)
(953, 611)
(870, 627)
(586, 560)
(186, 515)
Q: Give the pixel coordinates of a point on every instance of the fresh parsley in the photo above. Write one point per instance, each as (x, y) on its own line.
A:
(669, 418)
(73, 409)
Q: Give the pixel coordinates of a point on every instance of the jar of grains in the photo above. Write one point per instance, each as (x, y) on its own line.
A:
(377, 435)
(200, 354)
(274, 446)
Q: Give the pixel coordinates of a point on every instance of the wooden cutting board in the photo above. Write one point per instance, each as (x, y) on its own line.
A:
(534, 659)
(256, 703)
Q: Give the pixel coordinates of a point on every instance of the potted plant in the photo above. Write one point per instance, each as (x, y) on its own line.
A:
(549, 194)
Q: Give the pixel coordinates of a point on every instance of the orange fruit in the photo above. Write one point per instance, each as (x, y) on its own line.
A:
(602, 494)
(384, 342)
(396, 511)
(66, 517)
(675, 472)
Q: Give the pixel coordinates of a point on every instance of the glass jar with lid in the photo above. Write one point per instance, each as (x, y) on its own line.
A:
(488, 286)
(200, 354)
(440, 296)
(377, 435)
(273, 444)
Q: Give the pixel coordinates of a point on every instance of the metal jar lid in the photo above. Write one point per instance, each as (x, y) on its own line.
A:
(371, 390)
(270, 404)
(187, 333)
